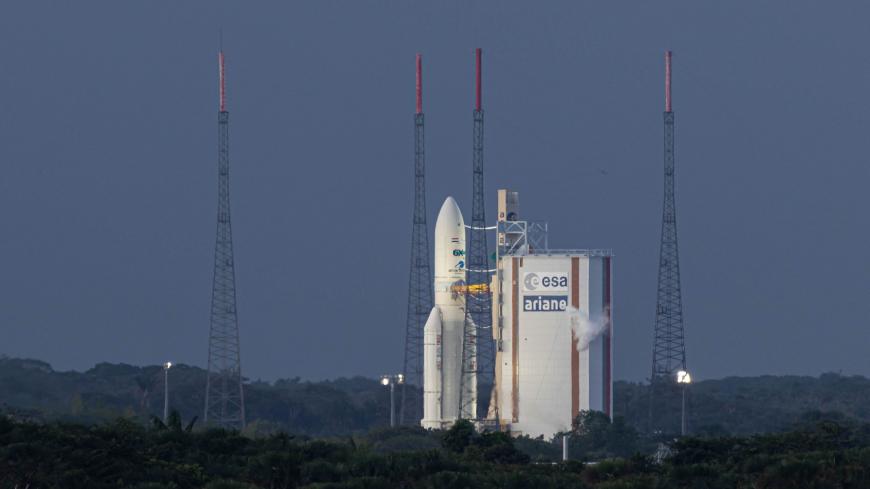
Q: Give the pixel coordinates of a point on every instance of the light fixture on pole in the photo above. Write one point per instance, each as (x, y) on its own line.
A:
(684, 379)
(391, 381)
(166, 367)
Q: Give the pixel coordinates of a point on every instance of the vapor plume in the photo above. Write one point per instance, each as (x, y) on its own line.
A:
(584, 329)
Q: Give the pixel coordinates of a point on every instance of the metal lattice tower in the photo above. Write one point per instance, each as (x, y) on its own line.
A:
(478, 348)
(420, 281)
(224, 395)
(669, 351)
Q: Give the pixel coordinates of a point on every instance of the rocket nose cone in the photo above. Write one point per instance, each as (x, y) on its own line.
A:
(433, 323)
(450, 215)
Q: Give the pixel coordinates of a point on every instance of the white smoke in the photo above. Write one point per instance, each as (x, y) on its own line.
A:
(584, 329)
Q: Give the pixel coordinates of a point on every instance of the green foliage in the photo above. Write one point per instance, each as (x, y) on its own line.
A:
(31, 389)
(229, 485)
(401, 439)
(595, 437)
(126, 454)
(491, 447)
(748, 405)
(152, 485)
(459, 436)
(98, 429)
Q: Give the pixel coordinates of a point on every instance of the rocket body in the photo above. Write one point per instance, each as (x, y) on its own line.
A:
(443, 362)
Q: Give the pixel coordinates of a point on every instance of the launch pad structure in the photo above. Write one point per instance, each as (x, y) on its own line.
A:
(533, 334)
(478, 354)
(420, 277)
(552, 328)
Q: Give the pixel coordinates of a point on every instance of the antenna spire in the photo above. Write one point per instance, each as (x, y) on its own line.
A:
(224, 388)
(419, 83)
(669, 349)
(478, 347)
(478, 55)
(223, 80)
(420, 280)
(668, 81)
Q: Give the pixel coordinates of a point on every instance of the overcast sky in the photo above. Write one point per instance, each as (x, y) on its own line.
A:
(108, 185)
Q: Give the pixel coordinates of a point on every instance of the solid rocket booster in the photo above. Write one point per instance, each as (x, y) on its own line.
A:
(432, 371)
(444, 330)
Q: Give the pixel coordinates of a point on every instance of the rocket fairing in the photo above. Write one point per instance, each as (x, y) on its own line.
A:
(445, 328)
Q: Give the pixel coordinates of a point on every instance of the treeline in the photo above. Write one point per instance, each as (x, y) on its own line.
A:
(31, 389)
(126, 454)
(747, 405)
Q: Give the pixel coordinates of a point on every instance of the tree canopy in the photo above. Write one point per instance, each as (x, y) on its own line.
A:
(126, 454)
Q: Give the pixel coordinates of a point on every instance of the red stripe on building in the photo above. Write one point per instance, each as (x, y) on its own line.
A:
(575, 355)
(608, 409)
(515, 339)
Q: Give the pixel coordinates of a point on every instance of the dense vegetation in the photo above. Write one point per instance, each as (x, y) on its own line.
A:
(97, 429)
(125, 454)
(748, 405)
(33, 390)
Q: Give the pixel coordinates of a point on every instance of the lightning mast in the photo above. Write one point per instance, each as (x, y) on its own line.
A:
(478, 349)
(224, 395)
(420, 281)
(669, 351)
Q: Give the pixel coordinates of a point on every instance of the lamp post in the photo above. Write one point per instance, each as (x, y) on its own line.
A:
(684, 379)
(565, 447)
(391, 381)
(166, 367)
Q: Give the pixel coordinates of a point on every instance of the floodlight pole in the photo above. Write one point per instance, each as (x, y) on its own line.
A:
(391, 381)
(684, 429)
(565, 447)
(393, 404)
(166, 367)
(683, 379)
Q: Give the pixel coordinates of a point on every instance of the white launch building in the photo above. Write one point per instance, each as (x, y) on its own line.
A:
(552, 327)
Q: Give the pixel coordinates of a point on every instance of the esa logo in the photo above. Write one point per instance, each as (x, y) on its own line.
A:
(545, 282)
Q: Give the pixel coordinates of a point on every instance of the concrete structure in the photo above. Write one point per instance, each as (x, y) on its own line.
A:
(444, 330)
(552, 318)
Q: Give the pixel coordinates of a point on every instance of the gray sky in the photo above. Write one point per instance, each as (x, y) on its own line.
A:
(108, 187)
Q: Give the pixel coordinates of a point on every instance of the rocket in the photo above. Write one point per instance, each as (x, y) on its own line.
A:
(444, 331)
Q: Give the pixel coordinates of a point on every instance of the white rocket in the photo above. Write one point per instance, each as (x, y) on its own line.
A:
(444, 331)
